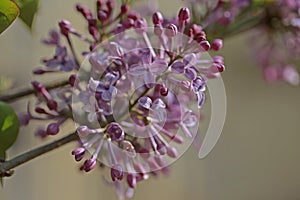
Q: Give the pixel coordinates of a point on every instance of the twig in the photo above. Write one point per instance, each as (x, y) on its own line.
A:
(25, 157)
(17, 93)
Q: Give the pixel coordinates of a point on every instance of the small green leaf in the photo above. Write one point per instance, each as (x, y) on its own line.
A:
(9, 126)
(28, 10)
(8, 13)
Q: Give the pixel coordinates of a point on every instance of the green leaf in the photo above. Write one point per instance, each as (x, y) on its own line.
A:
(8, 13)
(9, 126)
(28, 10)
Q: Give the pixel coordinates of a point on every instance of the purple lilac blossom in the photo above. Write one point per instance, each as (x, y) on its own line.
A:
(134, 142)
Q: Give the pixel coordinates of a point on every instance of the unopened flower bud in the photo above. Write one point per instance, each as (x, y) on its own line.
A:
(157, 18)
(184, 15)
(88, 165)
(52, 129)
(204, 45)
(171, 30)
(217, 44)
(124, 8)
(131, 180)
(65, 27)
(78, 153)
(116, 172)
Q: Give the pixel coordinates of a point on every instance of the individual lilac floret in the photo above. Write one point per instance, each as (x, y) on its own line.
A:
(116, 172)
(115, 131)
(89, 164)
(79, 153)
(61, 60)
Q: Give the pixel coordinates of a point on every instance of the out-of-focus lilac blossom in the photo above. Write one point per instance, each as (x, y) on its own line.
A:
(61, 60)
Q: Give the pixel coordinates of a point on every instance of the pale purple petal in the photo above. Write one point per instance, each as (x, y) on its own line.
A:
(137, 69)
(158, 66)
(149, 79)
(177, 67)
(190, 73)
(200, 99)
(145, 102)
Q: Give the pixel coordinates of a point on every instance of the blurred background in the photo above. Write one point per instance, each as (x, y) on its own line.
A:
(257, 156)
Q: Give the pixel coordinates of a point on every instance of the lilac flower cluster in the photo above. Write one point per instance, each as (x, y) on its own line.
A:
(131, 97)
(274, 27)
(278, 43)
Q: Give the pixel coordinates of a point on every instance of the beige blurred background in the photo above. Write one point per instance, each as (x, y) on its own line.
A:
(257, 156)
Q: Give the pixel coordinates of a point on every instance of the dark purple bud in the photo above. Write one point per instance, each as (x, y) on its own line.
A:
(93, 31)
(84, 11)
(115, 131)
(92, 22)
(52, 105)
(24, 119)
(52, 129)
(204, 45)
(217, 44)
(214, 68)
(78, 153)
(65, 27)
(72, 79)
(201, 36)
(116, 172)
(131, 180)
(102, 16)
(184, 15)
(88, 165)
(133, 15)
(39, 71)
(164, 90)
(41, 133)
(177, 67)
(128, 23)
(40, 110)
(171, 30)
(38, 87)
(221, 67)
(110, 4)
(100, 3)
(157, 18)
(124, 8)
(195, 29)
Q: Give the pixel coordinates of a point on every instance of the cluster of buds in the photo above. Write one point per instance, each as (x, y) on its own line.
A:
(133, 95)
(280, 40)
(274, 27)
